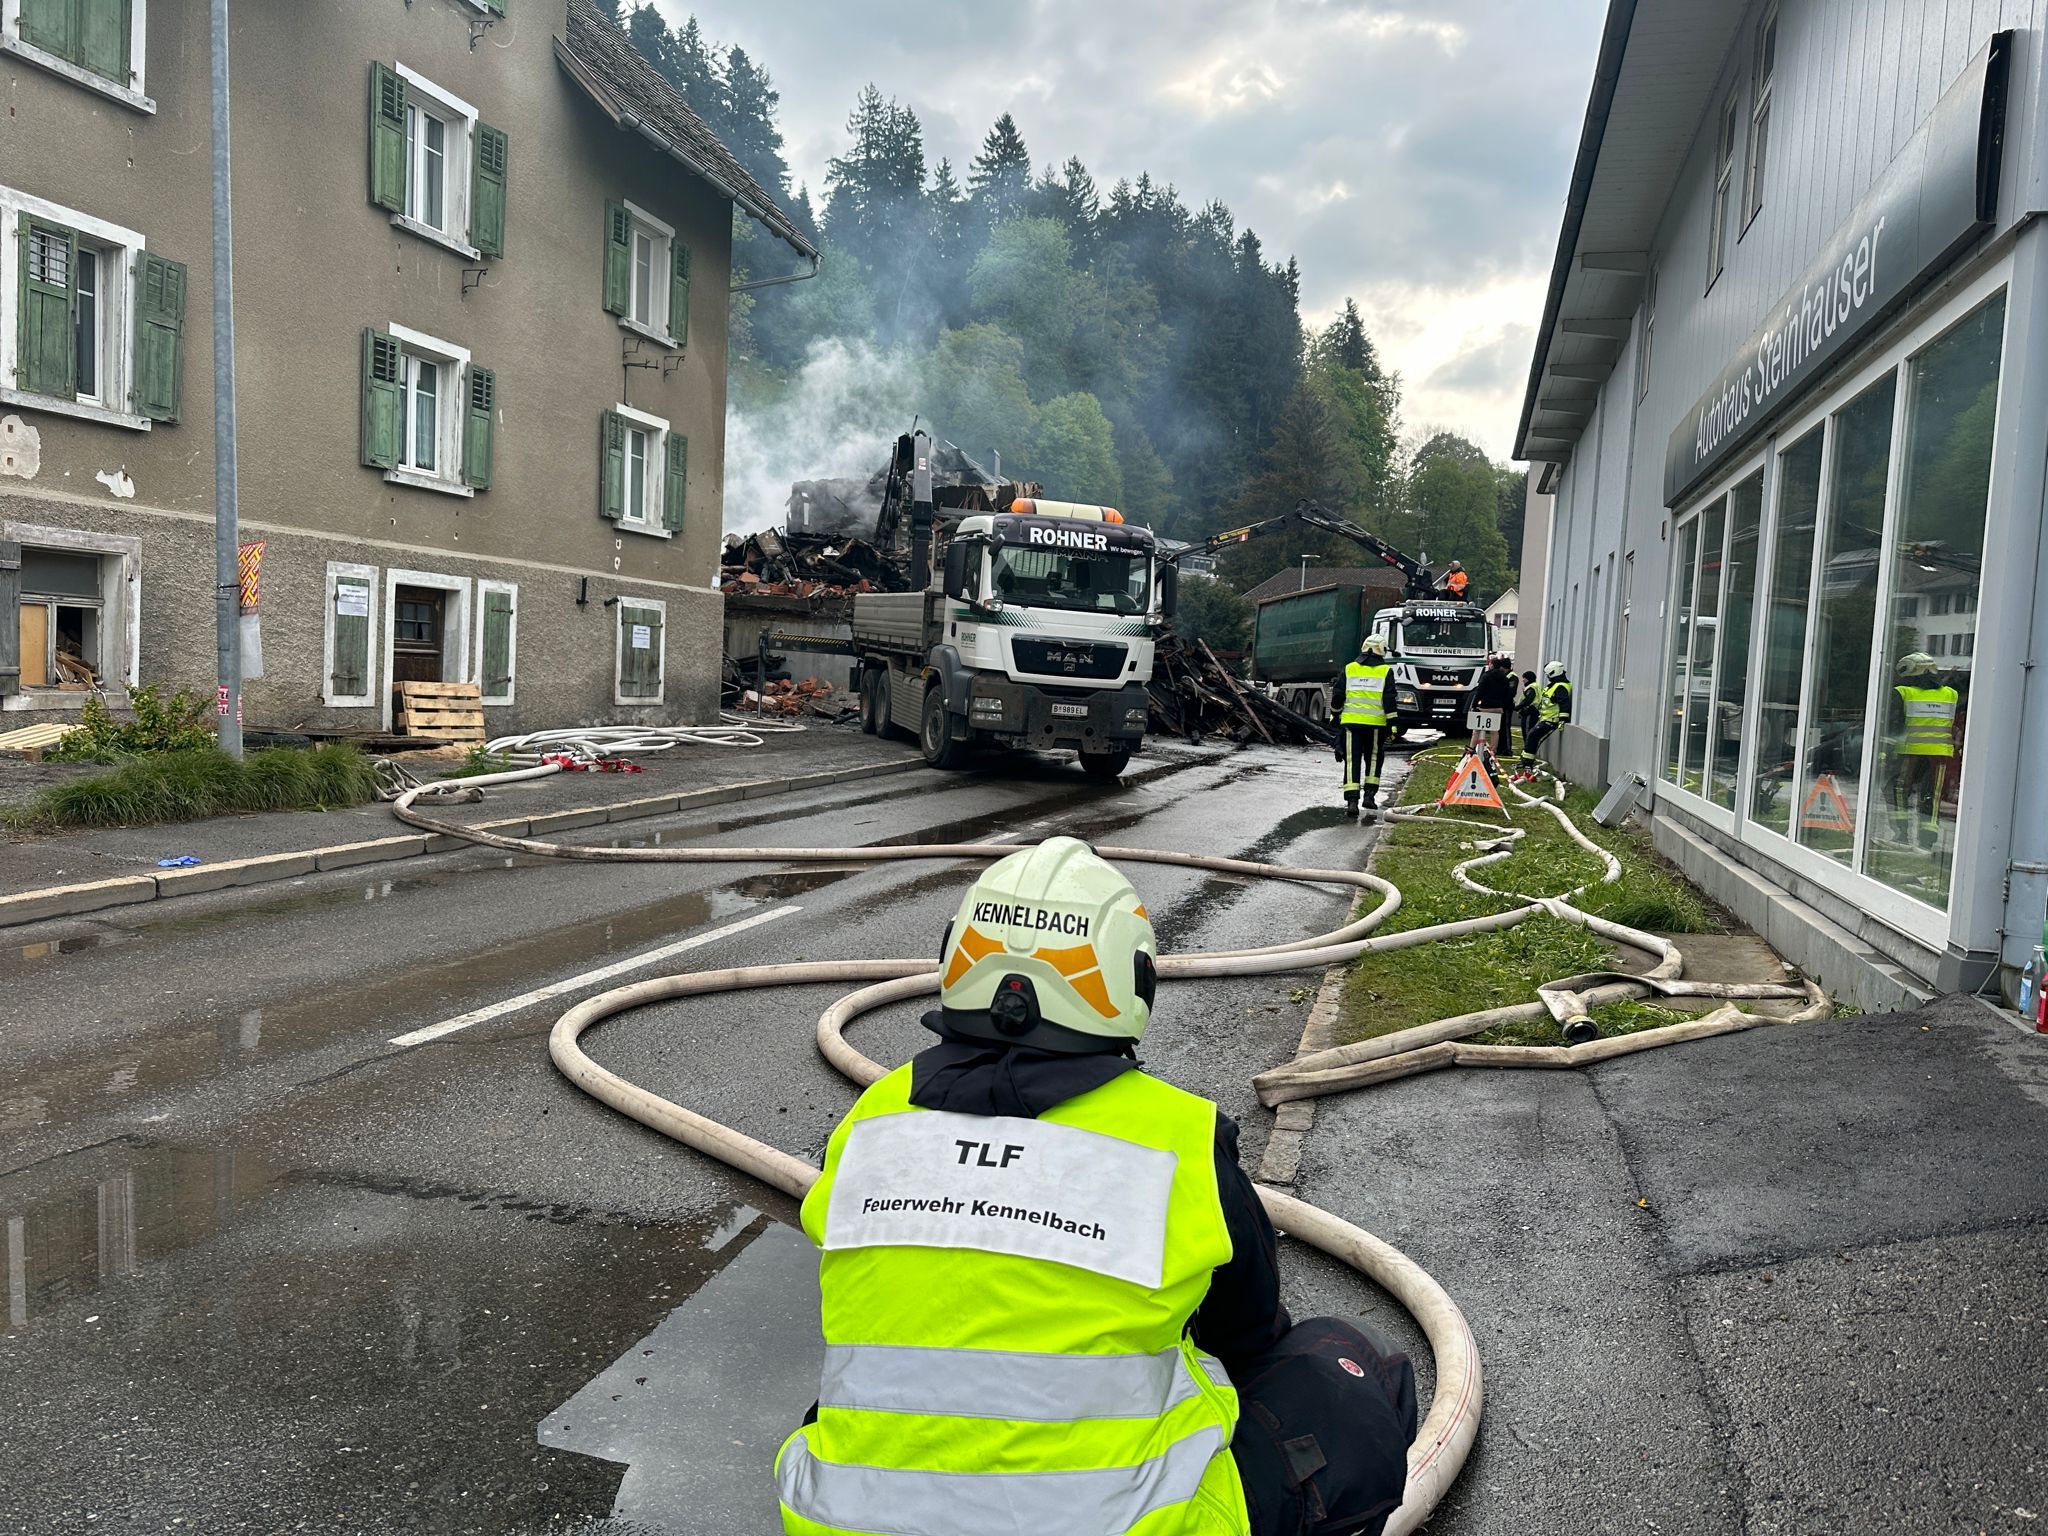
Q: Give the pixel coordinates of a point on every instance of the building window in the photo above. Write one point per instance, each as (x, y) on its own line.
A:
(647, 274)
(98, 44)
(428, 412)
(1628, 590)
(434, 166)
(1721, 744)
(1720, 234)
(1645, 351)
(71, 604)
(95, 324)
(1760, 116)
(645, 474)
(640, 672)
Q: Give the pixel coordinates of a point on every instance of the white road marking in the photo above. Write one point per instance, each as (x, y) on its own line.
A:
(577, 983)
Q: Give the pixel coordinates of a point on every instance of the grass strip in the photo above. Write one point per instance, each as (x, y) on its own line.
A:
(1387, 992)
(189, 786)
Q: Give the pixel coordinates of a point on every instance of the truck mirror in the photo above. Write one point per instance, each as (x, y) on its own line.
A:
(1169, 590)
(956, 570)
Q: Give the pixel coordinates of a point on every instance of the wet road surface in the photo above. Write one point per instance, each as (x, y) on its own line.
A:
(268, 1271)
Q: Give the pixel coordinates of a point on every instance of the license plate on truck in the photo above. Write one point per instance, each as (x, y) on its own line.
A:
(1070, 711)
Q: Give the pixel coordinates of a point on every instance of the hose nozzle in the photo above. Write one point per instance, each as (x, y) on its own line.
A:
(1581, 1029)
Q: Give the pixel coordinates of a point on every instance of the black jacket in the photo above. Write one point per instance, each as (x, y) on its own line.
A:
(1496, 690)
(1241, 1316)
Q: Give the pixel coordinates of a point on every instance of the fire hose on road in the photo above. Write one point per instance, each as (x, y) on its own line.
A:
(1452, 1422)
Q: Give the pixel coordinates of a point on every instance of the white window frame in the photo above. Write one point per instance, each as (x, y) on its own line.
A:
(1720, 229)
(131, 95)
(117, 305)
(1924, 924)
(660, 324)
(1648, 340)
(1763, 89)
(657, 476)
(453, 412)
(455, 624)
(619, 698)
(459, 154)
(484, 587)
(120, 558)
(356, 575)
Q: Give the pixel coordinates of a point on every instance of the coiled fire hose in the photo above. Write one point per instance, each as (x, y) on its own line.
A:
(1448, 1429)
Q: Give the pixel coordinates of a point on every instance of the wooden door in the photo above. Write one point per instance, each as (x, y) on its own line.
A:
(417, 617)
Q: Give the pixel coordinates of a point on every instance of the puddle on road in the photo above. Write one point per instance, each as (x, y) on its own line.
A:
(50, 949)
(422, 1329)
(237, 1039)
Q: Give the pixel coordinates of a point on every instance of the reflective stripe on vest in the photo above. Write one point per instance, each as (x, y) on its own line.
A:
(1930, 721)
(1005, 1304)
(1547, 706)
(1004, 1384)
(838, 1497)
(1364, 694)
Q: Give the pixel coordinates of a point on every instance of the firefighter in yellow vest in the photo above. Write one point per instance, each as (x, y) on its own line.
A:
(1926, 735)
(1364, 692)
(1051, 1298)
(1553, 709)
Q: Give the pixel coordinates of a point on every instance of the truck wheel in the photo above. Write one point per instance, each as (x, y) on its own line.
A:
(936, 735)
(872, 708)
(1106, 765)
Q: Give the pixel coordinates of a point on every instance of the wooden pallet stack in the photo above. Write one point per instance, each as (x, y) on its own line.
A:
(442, 712)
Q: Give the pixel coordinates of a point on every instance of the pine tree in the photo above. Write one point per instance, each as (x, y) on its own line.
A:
(749, 104)
(951, 256)
(1000, 176)
(648, 32)
(697, 76)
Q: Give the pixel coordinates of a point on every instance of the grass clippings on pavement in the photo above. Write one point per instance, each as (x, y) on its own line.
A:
(190, 786)
(1397, 990)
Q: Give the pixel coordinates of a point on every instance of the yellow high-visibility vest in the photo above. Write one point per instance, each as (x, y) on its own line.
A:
(1364, 694)
(1930, 721)
(1005, 1309)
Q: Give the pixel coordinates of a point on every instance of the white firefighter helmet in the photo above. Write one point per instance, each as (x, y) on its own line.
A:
(1917, 664)
(1554, 670)
(1051, 950)
(1373, 645)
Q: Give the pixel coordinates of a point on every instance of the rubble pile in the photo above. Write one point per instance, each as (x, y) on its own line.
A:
(808, 697)
(1195, 696)
(780, 563)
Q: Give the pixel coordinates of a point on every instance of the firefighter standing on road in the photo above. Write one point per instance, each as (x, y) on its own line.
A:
(1051, 1297)
(1366, 692)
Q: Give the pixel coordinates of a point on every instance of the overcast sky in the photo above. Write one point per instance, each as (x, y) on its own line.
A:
(1413, 157)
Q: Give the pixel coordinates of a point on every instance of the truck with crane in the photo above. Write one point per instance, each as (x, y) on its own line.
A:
(1301, 641)
(1035, 629)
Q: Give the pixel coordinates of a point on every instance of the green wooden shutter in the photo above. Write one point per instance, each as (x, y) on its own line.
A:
(611, 499)
(47, 361)
(497, 7)
(159, 337)
(679, 292)
(618, 259)
(51, 25)
(10, 625)
(497, 674)
(479, 428)
(383, 401)
(103, 39)
(387, 138)
(351, 675)
(675, 484)
(487, 192)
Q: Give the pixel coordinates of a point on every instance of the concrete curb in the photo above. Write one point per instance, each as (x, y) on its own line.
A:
(98, 895)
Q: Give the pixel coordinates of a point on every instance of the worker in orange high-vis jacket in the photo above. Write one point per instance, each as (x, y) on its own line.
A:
(1454, 583)
(1051, 1297)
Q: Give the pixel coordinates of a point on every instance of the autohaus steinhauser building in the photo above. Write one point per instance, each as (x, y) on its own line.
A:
(1791, 393)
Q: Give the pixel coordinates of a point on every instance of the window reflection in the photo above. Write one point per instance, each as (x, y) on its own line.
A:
(1931, 639)
(1706, 631)
(1770, 803)
(1745, 515)
(1680, 648)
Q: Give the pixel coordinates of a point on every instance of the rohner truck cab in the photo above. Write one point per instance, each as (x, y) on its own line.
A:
(1041, 636)
(1438, 651)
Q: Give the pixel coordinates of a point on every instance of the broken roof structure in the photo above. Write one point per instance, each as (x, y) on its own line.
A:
(601, 59)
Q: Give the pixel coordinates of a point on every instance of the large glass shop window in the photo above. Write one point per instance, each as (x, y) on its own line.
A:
(1738, 600)
(1930, 641)
(1678, 644)
(1844, 624)
(1784, 658)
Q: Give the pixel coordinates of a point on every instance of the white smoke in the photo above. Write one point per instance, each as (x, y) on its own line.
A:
(838, 417)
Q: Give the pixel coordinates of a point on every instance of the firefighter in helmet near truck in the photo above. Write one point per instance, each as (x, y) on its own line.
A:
(1365, 713)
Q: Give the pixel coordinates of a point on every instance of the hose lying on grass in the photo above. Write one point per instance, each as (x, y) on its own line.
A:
(1448, 1429)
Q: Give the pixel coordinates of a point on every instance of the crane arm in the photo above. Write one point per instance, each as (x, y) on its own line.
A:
(1414, 572)
(1230, 536)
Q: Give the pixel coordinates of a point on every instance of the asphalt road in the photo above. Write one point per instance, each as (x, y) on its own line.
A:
(269, 1272)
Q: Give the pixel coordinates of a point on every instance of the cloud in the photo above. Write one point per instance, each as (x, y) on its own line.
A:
(1412, 156)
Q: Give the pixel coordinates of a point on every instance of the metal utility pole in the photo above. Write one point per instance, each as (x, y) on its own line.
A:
(226, 517)
(1303, 587)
